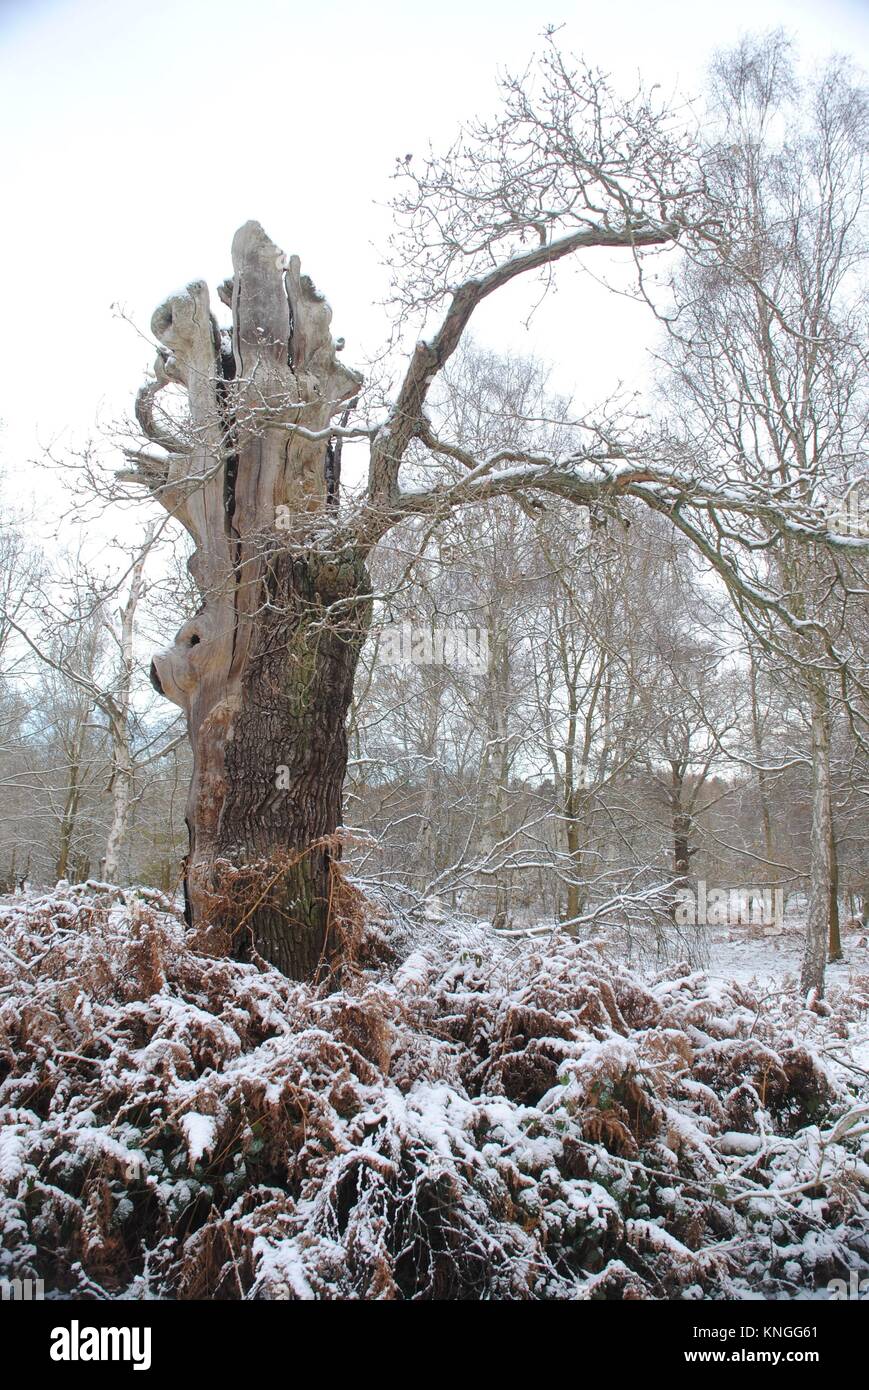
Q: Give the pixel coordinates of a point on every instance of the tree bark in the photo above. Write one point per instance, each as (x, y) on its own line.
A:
(681, 825)
(118, 711)
(72, 798)
(495, 771)
(264, 670)
(122, 786)
(821, 872)
(762, 788)
(576, 890)
(284, 768)
(835, 938)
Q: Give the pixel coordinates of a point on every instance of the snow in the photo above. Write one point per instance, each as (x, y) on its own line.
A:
(200, 1131)
(281, 1270)
(746, 953)
(732, 1142)
(475, 1118)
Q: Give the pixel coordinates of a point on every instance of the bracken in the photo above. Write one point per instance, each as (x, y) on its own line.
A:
(448, 1119)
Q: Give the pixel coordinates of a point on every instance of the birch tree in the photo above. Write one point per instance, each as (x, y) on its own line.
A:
(768, 352)
(87, 648)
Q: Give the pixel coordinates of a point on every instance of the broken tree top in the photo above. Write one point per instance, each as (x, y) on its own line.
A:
(277, 368)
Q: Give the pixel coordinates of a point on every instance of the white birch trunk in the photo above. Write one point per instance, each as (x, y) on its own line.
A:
(821, 871)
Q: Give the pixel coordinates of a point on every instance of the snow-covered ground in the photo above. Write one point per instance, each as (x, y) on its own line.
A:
(458, 1116)
(772, 955)
(768, 962)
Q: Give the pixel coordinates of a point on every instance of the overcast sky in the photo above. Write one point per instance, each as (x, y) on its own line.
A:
(138, 136)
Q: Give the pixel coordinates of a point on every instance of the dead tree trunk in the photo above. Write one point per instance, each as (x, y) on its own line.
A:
(264, 670)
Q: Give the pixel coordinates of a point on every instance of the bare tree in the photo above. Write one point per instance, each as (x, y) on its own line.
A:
(767, 350)
(89, 650)
(264, 670)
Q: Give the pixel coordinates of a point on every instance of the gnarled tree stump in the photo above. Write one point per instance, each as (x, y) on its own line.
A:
(264, 670)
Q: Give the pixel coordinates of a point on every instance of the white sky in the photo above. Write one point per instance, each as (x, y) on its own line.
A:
(140, 135)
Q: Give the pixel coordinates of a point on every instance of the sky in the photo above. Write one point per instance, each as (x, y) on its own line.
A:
(138, 137)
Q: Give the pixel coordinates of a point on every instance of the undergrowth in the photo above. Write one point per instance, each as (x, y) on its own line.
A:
(462, 1121)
